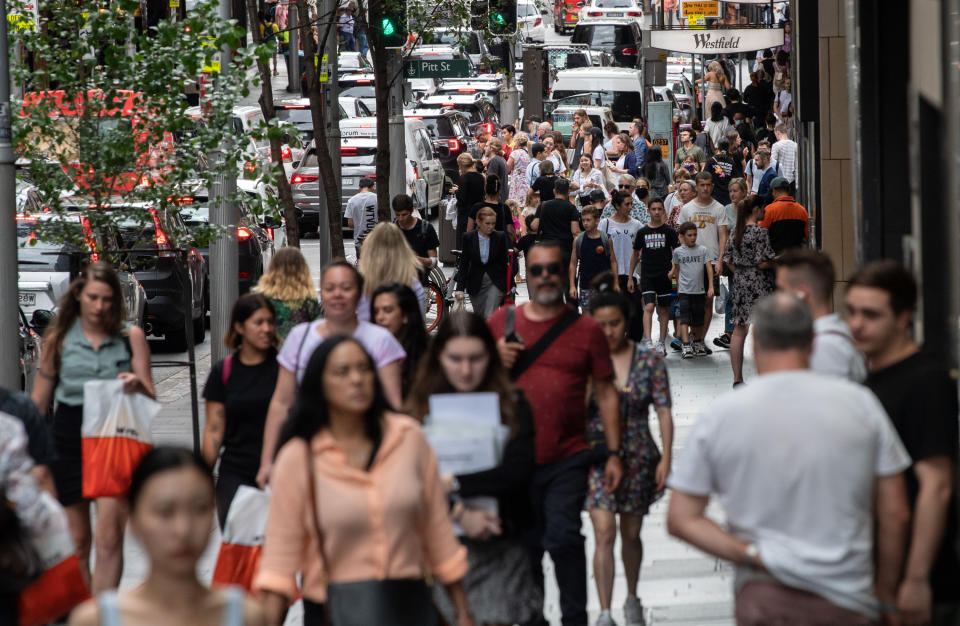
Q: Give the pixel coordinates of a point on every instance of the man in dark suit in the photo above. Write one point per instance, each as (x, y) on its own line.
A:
(482, 270)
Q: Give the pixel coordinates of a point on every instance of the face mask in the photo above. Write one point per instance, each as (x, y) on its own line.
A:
(642, 193)
(688, 167)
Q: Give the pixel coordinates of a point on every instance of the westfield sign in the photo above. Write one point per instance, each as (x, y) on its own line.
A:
(720, 40)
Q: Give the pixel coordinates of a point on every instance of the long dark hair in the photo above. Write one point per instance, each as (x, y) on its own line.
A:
(310, 412)
(491, 186)
(604, 294)
(617, 197)
(716, 112)
(652, 168)
(245, 306)
(413, 336)
(431, 380)
(745, 209)
(163, 459)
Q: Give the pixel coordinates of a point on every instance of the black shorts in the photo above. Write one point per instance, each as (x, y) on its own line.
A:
(692, 307)
(657, 290)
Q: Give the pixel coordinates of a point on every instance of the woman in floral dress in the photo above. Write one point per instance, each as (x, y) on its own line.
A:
(641, 375)
(749, 256)
(289, 286)
(517, 166)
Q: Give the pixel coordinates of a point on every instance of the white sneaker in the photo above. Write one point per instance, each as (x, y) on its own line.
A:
(646, 343)
(605, 619)
(633, 612)
(662, 348)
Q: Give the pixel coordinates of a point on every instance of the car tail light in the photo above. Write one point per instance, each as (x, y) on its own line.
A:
(160, 237)
(454, 144)
(269, 232)
(488, 127)
(466, 90)
(303, 178)
(293, 106)
(348, 150)
(629, 50)
(26, 218)
(364, 81)
(414, 117)
(243, 234)
(594, 13)
(89, 240)
(449, 104)
(634, 14)
(243, 274)
(285, 153)
(538, 22)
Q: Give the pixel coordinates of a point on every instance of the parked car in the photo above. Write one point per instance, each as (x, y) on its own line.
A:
(468, 42)
(681, 111)
(245, 119)
(481, 116)
(619, 88)
(530, 23)
(359, 85)
(352, 62)
(619, 37)
(566, 14)
(562, 116)
(263, 200)
(489, 88)
(602, 9)
(357, 160)
(450, 133)
(29, 345)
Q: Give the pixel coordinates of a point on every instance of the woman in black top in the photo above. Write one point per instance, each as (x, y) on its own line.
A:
(238, 392)
(500, 585)
(395, 307)
(544, 183)
(491, 189)
(657, 172)
(469, 192)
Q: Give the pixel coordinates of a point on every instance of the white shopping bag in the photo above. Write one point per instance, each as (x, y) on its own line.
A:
(242, 540)
(115, 436)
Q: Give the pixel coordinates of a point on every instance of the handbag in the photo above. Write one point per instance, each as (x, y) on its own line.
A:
(388, 602)
(20, 563)
(610, 178)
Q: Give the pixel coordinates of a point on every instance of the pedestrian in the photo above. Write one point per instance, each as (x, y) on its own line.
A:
(641, 375)
(687, 147)
(781, 71)
(585, 180)
(701, 139)
(610, 131)
(558, 220)
(394, 306)
(784, 153)
(497, 166)
(345, 23)
(342, 444)
(545, 183)
(269, 34)
(86, 341)
(482, 266)
(738, 192)
(469, 191)
(592, 255)
(593, 146)
(517, 164)
(718, 125)
(237, 394)
(507, 135)
(288, 286)
(500, 584)
(529, 208)
(768, 132)
(543, 129)
(787, 220)
(393, 262)
(640, 145)
(622, 231)
(722, 168)
(554, 376)
(341, 286)
(809, 275)
(716, 83)
(754, 171)
(683, 192)
(578, 130)
(735, 106)
(749, 257)
(491, 200)
(171, 501)
(361, 212)
(657, 172)
(559, 155)
(40, 445)
(625, 158)
(767, 171)
(783, 105)
(627, 184)
(419, 233)
(710, 218)
(652, 255)
(692, 264)
(801, 518)
(533, 167)
(360, 33)
(919, 392)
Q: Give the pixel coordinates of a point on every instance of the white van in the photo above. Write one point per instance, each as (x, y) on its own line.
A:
(620, 88)
(419, 152)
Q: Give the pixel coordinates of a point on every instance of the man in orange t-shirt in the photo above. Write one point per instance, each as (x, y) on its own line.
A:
(785, 218)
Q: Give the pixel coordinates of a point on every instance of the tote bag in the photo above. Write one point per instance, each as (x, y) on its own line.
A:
(242, 541)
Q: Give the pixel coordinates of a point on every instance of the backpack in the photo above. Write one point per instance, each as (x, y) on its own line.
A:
(604, 239)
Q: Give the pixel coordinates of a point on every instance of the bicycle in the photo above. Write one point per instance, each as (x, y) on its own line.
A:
(438, 295)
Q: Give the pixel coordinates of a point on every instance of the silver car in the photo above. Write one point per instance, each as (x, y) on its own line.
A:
(357, 160)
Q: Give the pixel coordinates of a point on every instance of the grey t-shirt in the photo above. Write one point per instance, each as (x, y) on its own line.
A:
(691, 262)
(793, 459)
(498, 166)
(362, 209)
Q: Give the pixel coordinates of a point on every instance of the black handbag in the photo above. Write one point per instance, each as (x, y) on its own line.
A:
(20, 564)
(388, 602)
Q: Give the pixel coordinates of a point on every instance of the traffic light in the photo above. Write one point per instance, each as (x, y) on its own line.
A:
(502, 17)
(478, 14)
(393, 23)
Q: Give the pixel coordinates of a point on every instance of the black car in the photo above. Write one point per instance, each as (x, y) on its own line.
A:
(254, 244)
(481, 116)
(168, 266)
(620, 38)
(450, 134)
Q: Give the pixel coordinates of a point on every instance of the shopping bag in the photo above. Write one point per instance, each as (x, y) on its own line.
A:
(720, 299)
(115, 436)
(242, 540)
(61, 586)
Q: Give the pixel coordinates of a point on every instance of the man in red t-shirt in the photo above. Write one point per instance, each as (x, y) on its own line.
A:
(556, 387)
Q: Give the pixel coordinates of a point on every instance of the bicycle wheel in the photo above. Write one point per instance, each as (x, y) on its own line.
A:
(436, 306)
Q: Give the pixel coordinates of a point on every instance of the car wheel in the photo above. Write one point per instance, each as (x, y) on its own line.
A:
(176, 340)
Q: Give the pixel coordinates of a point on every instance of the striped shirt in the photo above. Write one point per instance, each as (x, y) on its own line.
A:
(784, 152)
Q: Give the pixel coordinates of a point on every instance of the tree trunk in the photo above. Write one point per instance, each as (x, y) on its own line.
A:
(324, 160)
(381, 86)
(276, 152)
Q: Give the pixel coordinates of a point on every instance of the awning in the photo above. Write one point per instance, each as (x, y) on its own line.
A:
(715, 40)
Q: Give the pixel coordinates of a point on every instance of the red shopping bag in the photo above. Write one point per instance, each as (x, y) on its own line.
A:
(242, 540)
(115, 436)
(61, 586)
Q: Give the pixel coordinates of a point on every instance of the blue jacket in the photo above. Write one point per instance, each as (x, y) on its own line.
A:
(630, 164)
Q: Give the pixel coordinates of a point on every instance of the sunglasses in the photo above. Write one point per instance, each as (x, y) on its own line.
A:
(554, 269)
(624, 186)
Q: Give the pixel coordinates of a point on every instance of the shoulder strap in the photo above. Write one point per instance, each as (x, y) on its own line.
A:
(225, 370)
(530, 355)
(296, 363)
(578, 244)
(605, 240)
(509, 323)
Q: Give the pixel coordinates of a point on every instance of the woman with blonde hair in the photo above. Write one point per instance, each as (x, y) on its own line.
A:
(716, 82)
(393, 261)
(289, 287)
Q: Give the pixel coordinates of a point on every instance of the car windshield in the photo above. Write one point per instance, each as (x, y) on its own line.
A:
(438, 127)
(624, 105)
(602, 36)
(453, 38)
(567, 59)
(526, 10)
(195, 215)
(42, 256)
(359, 92)
(295, 116)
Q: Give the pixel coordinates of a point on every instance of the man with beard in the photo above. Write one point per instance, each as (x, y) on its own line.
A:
(552, 354)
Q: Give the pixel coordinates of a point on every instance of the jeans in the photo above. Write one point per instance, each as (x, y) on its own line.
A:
(728, 309)
(362, 44)
(348, 43)
(558, 491)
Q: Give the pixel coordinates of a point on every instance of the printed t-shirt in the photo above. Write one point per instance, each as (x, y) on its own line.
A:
(556, 383)
(691, 262)
(707, 218)
(656, 247)
(622, 237)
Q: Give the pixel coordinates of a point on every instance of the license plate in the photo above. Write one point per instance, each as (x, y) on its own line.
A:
(349, 181)
(27, 299)
(615, 13)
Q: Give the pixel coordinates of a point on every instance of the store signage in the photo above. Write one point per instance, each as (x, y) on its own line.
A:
(708, 8)
(716, 41)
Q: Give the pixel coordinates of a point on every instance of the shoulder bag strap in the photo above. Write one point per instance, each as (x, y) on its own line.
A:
(225, 370)
(533, 353)
(509, 323)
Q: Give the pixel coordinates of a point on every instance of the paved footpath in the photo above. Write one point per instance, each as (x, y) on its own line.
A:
(678, 584)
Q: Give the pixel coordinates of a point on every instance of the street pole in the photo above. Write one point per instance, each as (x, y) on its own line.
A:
(293, 49)
(330, 91)
(223, 250)
(510, 97)
(9, 324)
(397, 136)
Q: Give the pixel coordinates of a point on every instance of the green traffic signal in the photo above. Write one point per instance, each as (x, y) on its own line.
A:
(388, 27)
(497, 19)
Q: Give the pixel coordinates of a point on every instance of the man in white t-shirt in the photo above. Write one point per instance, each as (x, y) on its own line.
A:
(362, 212)
(809, 471)
(808, 275)
(710, 218)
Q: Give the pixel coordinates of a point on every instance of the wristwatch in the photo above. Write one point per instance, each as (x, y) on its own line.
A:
(614, 452)
(454, 485)
(753, 554)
